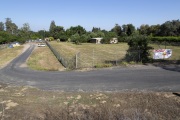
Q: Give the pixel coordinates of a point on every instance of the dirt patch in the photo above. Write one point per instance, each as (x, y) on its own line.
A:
(31, 103)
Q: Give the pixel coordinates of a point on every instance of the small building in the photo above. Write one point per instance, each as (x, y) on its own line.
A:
(14, 44)
(96, 40)
(114, 41)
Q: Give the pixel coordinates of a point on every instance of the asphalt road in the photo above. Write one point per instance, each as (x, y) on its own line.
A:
(139, 78)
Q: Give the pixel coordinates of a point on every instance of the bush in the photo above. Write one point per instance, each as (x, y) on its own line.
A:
(168, 40)
(138, 48)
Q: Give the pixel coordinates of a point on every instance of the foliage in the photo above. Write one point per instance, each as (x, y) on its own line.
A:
(108, 36)
(166, 32)
(51, 38)
(11, 27)
(165, 39)
(1, 26)
(128, 29)
(138, 48)
(117, 29)
(170, 28)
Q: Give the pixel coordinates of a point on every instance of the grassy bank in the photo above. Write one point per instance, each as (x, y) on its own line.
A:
(29, 103)
(43, 59)
(8, 54)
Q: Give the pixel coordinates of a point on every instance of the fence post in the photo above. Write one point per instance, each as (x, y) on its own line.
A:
(76, 60)
(116, 60)
(77, 55)
(93, 59)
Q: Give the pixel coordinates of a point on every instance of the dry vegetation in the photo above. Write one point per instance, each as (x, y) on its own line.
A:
(8, 54)
(43, 59)
(92, 54)
(23, 103)
(101, 55)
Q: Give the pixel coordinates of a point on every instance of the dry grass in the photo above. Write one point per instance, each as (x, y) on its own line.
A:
(33, 104)
(8, 54)
(43, 59)
(92, 54)
(101, 55)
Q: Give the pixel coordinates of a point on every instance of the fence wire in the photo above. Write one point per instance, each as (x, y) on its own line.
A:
(67, 62)
(96, 57)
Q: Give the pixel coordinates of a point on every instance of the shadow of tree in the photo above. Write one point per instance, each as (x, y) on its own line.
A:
(172, 65)
(177, 94)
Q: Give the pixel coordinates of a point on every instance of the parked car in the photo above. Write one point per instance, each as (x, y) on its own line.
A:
(41, 44)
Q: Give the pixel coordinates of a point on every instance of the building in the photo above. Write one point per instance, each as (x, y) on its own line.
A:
(96, 40)
(114, 41)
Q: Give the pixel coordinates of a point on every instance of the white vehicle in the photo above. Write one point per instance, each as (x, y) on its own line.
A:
(41, 45)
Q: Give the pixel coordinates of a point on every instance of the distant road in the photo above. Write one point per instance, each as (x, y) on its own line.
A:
(140, 78)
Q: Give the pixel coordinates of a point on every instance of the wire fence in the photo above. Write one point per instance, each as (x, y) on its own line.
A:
(3, 46)
(99, 58)
(67, 62)
(95, 58)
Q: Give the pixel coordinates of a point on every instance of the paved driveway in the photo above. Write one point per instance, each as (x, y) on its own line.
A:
(141, 78)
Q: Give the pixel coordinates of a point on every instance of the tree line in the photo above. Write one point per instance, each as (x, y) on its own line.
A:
(10, 32)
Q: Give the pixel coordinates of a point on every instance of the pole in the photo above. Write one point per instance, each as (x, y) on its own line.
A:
(76, 60)
(93, 58)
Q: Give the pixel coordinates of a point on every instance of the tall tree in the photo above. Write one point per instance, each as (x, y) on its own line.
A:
(1, 26)
(131, 29)
(52, 26)
(170, 28)
(144, 29)
(25, 31)
(11, 28)
(95, 29)
(117, 29)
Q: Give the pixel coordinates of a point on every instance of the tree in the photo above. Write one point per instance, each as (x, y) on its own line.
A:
(24, 32)
(170, 28)
(52, 26)
(154, 30)
(144, 29)
(138, 48)
(77, 29)
(58, 31)
(1, 26)
(108, 37)
(11, 28)
(117, 29)
(131, 29)
(96, 29)
(76, 38)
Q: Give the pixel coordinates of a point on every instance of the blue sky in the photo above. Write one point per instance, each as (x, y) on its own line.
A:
(88, 13)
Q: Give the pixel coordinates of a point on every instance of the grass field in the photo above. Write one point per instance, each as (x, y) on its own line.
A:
(23, 103)
(101, 55)
(8, 54)
(43, 59)
(92, 54)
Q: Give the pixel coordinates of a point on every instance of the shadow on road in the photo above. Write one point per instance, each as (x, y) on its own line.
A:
(177, 94)
(168, 65)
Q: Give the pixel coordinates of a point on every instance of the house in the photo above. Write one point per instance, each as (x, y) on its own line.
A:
(15, 44)
(114, 41)
(96, 40)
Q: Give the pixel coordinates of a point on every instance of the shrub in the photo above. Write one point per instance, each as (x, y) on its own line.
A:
(138, 48)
